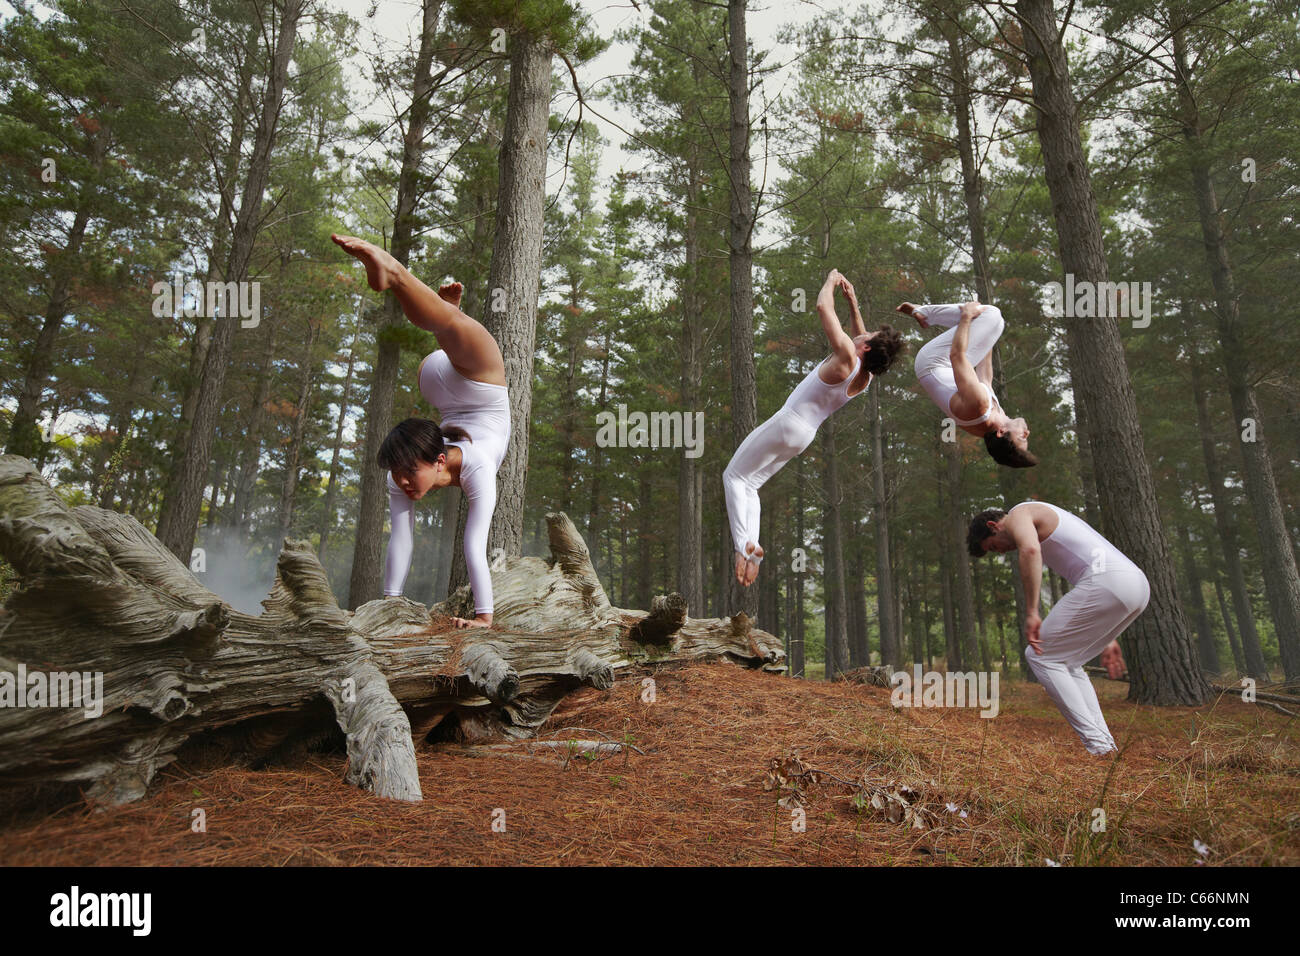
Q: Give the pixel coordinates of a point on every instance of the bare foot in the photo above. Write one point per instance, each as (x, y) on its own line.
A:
(451, 292)
(751, 565)
(908, 309)
(382, 270)
(740, 568)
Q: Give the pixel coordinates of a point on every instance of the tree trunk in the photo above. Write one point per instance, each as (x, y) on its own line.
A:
(952, 642)
(1205, 637)
(568, 424)
(859, 632)
(100, 595)
(1277, 558)
(642, 516)
(965, 601)
(1225, 521)
(890, 649)
(800, 541)
(227, 176)
(328, 516)
(1087, 467)
(972, 186)
(740, 256)
(184, 501)
(515, 274)
(293, 453)
(367, 562)
(250, 456)
(1237, 659)
(1160, 655)
(690, 476)
(594, 507)
(837, 657)
(24, 435)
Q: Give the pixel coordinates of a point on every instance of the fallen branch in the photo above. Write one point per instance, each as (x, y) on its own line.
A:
(99, 595)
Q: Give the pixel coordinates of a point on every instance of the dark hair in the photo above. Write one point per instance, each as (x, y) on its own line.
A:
(979, 530)
(414, 440)
(885, 346)
(1004, 451)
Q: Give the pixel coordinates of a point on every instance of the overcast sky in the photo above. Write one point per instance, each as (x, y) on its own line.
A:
(395, 23)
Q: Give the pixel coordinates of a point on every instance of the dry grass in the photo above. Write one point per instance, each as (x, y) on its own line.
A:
(1227, 774)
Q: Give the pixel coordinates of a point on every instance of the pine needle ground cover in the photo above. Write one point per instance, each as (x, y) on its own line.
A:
(724, 767)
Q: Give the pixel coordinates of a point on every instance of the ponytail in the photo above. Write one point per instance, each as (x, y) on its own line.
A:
(416, 440)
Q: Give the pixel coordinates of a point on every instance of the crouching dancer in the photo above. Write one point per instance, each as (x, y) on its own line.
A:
(1107, 593)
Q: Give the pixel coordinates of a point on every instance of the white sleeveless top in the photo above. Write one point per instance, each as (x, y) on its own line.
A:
(1075, 550)
(814, 401)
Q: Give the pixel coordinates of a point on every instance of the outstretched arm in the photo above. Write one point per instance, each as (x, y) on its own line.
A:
(1020, 526)
(968, 383)
(841, 344)
(855, 316)
(482, 502)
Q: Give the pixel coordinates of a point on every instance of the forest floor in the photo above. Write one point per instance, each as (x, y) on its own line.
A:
(1226, 774)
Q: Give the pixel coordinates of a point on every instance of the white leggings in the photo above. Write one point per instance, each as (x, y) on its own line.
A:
(1092, 614)
(761, 455)
(933, 359)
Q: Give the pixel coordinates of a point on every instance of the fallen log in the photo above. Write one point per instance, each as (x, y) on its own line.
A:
(98, 595)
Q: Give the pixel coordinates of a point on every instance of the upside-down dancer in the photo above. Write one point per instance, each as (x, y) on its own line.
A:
(956, 371)
(466, 381)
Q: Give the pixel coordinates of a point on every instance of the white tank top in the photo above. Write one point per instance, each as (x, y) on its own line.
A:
(1075, 550)
(993, 403)
(814, 401)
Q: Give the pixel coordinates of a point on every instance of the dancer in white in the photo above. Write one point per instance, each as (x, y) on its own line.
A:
(466, 381)
(1107, 593)
(956, 371)
(846, 372)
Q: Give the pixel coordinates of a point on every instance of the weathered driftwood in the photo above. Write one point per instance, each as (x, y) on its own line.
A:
(99, 594)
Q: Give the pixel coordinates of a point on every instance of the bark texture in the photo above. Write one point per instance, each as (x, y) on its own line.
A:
(100, 594)
(1160, 650)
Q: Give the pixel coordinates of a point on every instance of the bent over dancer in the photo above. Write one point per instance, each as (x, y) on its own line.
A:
(956, 371)
(846, 372)
(1107, 593)
(466, 381)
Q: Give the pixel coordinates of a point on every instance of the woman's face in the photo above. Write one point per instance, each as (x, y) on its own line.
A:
(416, 484)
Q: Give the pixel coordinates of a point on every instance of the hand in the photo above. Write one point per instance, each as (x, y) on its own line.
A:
(834, 277)
(1032, 625)
(969, 310)
(480, 621)
(847, 288)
